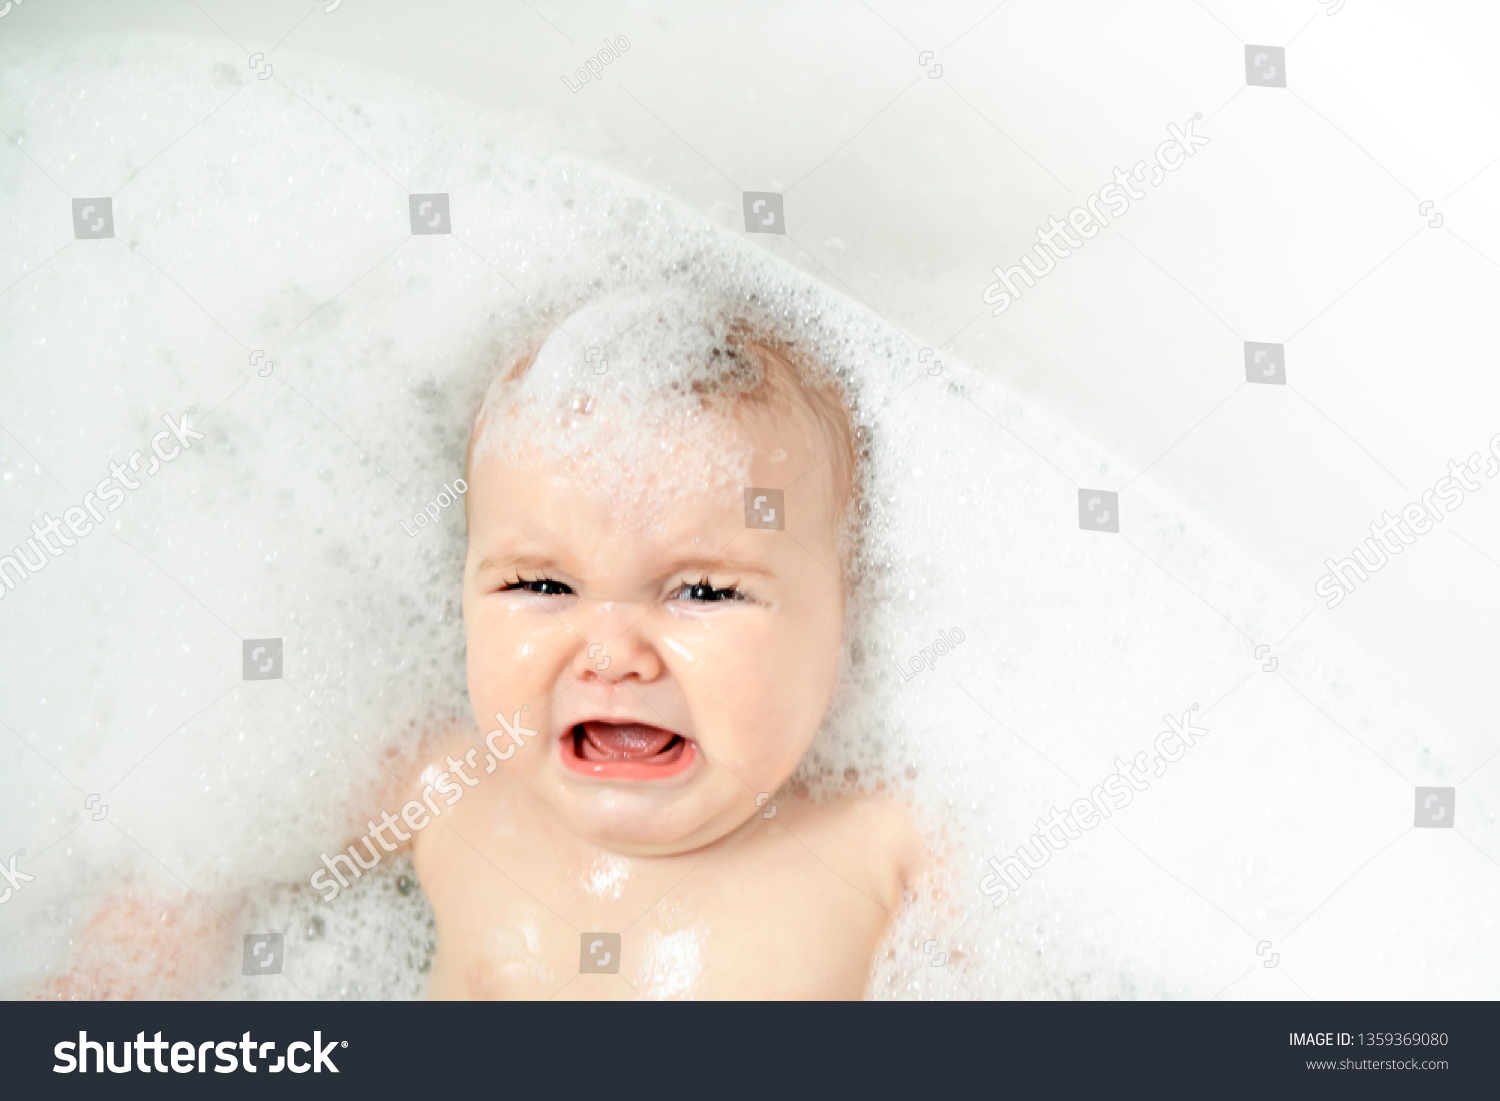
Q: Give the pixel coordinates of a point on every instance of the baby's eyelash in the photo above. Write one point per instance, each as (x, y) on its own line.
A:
(542, 586)
(703, 591)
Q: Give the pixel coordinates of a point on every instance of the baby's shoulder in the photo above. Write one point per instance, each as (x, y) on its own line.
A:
(870, 818)
(873, 840)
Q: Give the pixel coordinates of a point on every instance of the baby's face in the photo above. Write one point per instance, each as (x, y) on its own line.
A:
(674, 673)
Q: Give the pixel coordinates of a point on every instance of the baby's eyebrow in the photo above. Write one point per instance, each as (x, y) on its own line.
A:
(500, 562)
(517, 561)
(718, 565)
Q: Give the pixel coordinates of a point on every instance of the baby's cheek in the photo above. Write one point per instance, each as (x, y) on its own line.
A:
(761, 702)
(493, 659)
(799, 670)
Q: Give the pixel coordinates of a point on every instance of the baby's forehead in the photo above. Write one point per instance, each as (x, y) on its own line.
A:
(545, 517)
(638, 459)
(660, 495)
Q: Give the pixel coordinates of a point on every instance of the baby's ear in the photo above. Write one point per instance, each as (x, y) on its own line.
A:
(522, 363)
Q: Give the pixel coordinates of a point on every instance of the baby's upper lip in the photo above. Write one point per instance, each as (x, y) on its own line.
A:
(570, 717)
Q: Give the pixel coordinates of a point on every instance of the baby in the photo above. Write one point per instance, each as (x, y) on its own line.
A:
(661, 512)
(654, 606)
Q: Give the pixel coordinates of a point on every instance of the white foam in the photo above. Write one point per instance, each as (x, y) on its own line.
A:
(612, 395)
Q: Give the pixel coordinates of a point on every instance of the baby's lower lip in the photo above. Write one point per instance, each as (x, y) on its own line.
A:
(583, 759)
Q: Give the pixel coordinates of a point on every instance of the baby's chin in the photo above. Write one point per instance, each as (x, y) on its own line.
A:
(645, 824)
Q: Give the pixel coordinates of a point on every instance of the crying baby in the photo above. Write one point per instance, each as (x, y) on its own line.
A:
(662, 510)
(663, 515)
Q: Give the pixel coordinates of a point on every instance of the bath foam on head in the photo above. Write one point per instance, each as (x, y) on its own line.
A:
(629, 394)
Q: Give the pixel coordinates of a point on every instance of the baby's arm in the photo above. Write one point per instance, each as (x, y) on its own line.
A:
(158, 948)
(135, 951)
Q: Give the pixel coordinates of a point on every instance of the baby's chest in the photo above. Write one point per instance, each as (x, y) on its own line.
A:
(786, 928)
(785, 935)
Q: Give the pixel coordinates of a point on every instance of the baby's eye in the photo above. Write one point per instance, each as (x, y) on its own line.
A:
(703, 591)
(543, 586)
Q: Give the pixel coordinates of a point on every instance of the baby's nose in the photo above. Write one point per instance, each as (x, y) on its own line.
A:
(615, 648)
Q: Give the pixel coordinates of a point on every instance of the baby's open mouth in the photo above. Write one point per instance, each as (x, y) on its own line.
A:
(626, 751)
(600, 741)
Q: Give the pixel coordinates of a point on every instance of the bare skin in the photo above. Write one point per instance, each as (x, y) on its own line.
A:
(785, 908)
(712, 898)
(137, 950)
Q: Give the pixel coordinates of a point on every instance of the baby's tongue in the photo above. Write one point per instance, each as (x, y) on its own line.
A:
(623, 741)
